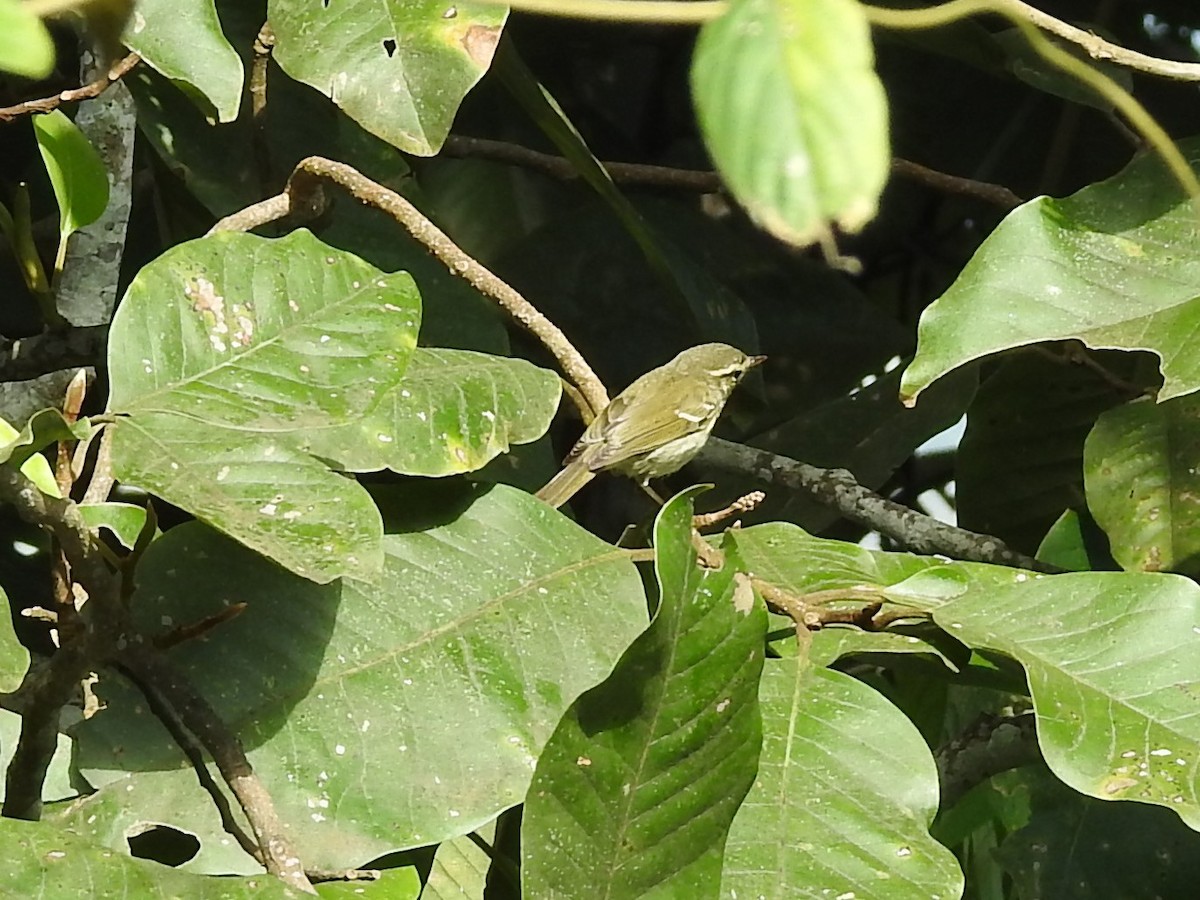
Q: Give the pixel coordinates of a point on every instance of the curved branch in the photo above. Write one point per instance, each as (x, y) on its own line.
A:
(304, 192)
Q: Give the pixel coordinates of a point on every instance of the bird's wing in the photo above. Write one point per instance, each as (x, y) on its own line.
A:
(625, 433)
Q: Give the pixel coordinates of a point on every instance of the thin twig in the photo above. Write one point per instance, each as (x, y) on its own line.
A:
(706, 182)
(996, 194)
(700, 180)
(264, 44)
(102, 479)
(118, 71)
(666, 12)
(301, 188)
(146, 664)
(838, 489)
(162, 710)
(740, 505)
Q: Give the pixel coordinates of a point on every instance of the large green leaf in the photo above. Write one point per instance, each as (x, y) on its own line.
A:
(793, 113)
(400, 68)
(25, 45)
(1020, 462)
(226, 353)
(184, 41)
(635, 791)
(1113, 662)
(454, 411)
(845, 794)
(44, 860)
(77, 173)
(1116, 265)
(1143, 484)
(385, 714)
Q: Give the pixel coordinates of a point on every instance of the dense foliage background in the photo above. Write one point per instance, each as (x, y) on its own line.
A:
(344, 276)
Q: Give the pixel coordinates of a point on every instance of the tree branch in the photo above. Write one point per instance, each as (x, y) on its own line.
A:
(118, 71)
(151, 671)
(991, 745)
(303, 192)
(699, 180)
(838, 489)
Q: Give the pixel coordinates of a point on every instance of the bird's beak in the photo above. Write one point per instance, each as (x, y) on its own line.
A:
(753, 361)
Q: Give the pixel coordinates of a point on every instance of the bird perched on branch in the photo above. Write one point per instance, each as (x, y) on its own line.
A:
(656, 425)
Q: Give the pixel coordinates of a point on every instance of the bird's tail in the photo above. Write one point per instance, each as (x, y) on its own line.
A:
(562, 487)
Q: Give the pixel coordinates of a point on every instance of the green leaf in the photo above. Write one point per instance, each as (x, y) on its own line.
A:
(1116, 265)
(793, 113)
(789, 558)
(845, 794)
(225, 355)
(46, 427)
(25, 45)
(22, 447)
(454, 411)
(77, 173)
(634, 793)
(185, 43)
(1111, 660)
(400, 68)
(386, 714)
(459, 872)
(1143, 484)
(43, 860)
(124, 520)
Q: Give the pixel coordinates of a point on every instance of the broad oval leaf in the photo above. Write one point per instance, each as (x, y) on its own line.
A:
(399, 68)
(1116, 265)
(224, 355)
(793, 113)
(1143, 484)
(1113, 662)
(382, 714)
(25, 45)
(184, 42)
(76, 171)
(454, 411)
(635, 791)
(845, 794)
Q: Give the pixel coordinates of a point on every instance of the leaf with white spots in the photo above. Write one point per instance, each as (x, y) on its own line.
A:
(635, 791)
(1113, 661)
(845, 793)
(225, 355)
(381, 715)
(453, 412)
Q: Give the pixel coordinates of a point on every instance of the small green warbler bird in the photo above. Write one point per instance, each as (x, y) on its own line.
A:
(656, 425)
